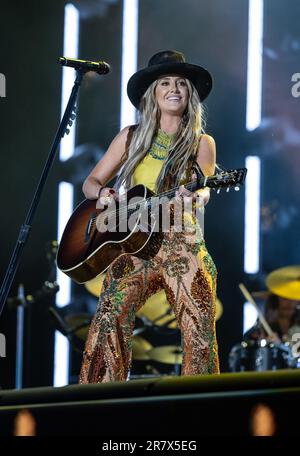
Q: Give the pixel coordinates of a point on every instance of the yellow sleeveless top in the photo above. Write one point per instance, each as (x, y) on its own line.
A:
(147, 171)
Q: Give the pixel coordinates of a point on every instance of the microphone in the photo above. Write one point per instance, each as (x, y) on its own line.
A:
(99, 67)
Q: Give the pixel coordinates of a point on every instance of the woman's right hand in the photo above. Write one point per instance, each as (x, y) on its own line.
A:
(106, 196)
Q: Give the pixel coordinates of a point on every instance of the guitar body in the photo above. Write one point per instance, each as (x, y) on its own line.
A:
(85, 252)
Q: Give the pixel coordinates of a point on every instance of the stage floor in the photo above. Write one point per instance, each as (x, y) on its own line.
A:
(197, 405)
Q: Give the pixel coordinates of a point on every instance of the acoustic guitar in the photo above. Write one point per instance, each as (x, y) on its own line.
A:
(86, 251)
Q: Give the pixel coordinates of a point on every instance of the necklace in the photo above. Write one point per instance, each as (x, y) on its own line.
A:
(161, 145)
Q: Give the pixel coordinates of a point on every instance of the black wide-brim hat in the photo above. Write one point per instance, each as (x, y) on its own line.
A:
(163, 63)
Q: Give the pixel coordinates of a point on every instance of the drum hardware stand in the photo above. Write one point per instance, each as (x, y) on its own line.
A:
(138, 331)
(151, 323)
(21, 302)
(147, 324)
(165, 314)
(262, 319)
(65, 329)
(177, 365)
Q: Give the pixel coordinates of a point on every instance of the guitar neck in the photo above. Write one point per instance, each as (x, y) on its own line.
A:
(224, 179)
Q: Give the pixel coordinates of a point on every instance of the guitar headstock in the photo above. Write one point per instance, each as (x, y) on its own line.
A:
(227, 179)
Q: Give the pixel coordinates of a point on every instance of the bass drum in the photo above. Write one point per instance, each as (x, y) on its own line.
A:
(260, 356)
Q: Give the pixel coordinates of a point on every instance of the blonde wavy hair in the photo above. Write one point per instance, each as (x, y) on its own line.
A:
(177, 167)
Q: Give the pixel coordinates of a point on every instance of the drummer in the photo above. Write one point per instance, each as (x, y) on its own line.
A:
(283, 316)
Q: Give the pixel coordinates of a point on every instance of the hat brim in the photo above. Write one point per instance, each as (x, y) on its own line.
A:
(141, 80)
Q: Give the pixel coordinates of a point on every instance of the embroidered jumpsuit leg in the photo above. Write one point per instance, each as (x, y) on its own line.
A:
(128, 283)
(189, 277)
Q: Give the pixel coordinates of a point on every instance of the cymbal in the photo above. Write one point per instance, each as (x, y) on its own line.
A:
(156, 309)
(140, 348)
(94, 286)
(285, 282)
(168, 354)
(219, 309)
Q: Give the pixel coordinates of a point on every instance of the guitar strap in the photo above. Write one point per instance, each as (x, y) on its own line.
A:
(131, 130)
(199, 173)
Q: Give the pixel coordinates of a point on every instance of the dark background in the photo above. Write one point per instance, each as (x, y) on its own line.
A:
(210, 33)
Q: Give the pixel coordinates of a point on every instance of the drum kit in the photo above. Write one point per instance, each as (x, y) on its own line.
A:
(260, 355)
(264, 354)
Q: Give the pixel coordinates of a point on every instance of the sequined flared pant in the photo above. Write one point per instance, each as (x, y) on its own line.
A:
(185, 270)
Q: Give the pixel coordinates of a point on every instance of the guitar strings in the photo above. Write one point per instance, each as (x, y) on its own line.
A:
(166, 193)
(133, 205)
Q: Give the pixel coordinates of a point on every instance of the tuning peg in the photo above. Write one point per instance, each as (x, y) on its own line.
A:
(73, 116)
(70, 123)
(67, 131)
(218, 191)
(227, 189)
(237, 188)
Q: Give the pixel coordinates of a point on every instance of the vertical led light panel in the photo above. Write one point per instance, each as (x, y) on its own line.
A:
(129, 58)
(253, 120)
(65, 191)
(254, 64)
(129, 61)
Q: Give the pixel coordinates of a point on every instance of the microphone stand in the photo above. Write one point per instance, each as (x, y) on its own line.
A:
(67, 120)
